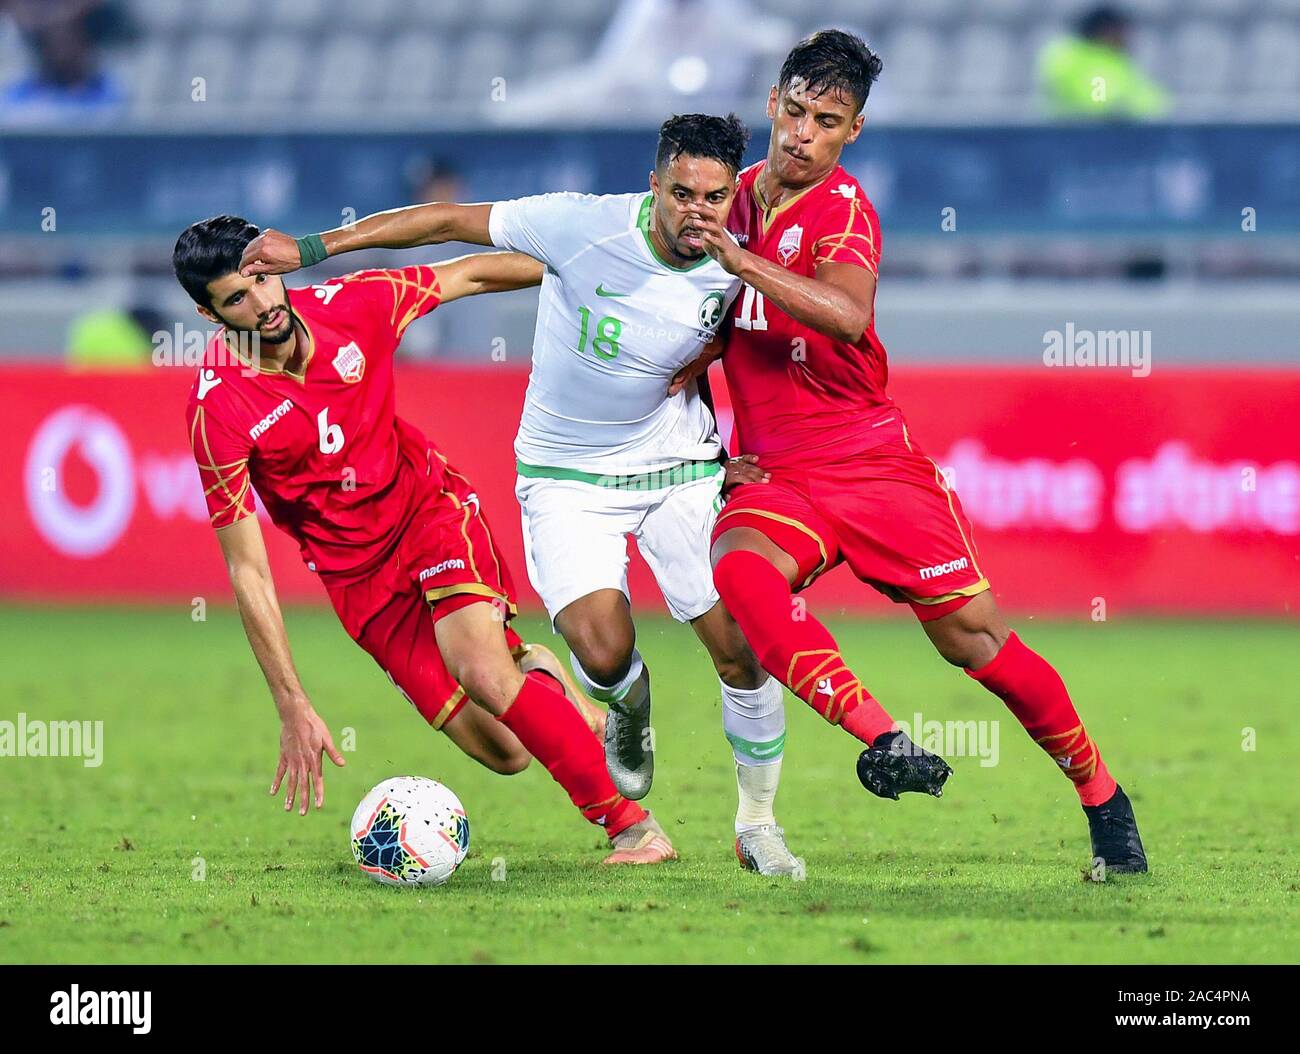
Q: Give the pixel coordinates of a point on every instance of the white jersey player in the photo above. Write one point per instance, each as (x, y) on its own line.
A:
(604, 452)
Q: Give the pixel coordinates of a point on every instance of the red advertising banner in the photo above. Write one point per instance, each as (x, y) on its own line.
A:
(1178, 492)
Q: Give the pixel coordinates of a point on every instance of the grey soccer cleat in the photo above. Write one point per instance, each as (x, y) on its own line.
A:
(629, 751)
(763, 849)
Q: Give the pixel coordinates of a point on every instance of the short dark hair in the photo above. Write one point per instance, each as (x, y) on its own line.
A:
(829, 60)
(702, 135)
(209, 249)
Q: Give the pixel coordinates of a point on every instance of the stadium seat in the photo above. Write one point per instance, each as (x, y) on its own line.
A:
(914, 56)
(346, 72)
(982, 62)
(588, 16)
(481, 57)
(220, 61)
(417, 69)
(510, 15)
(1202, 60)
(931, 11)
(231, 16)
(280, 62)
(165, 16)
(1270, 59)
(1150, 48)
(1008, 11)
(375, 16)
(300, 15)
(1220, 8)
(552, 51)
(1150, 10)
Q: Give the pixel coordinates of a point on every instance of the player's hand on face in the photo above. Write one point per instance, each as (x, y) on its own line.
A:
(743, 469)
(271, 252)
(303, 737)
(717, 242)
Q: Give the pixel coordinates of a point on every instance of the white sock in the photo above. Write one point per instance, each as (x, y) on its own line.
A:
(631, 692)
(754, 722)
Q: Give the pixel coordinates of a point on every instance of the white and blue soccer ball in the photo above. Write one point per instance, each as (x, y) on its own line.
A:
(410, 831)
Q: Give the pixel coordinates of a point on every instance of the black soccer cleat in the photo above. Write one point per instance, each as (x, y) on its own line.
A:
(893, 764)
(1114, 832)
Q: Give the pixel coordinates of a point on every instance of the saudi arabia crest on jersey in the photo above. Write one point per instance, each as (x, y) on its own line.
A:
(788, 247)
(711, 311)
(350, 363)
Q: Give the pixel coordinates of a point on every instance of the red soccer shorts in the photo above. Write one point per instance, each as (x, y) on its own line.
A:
(446, 559)
(887, 512)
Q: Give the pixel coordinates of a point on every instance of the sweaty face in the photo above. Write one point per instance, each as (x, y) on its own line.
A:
(809, 129)
(253, 305)
(686, 183)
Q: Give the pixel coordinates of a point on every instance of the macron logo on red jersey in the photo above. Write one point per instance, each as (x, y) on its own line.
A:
(270, 419)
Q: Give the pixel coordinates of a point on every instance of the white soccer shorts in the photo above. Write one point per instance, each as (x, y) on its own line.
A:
(575, 539)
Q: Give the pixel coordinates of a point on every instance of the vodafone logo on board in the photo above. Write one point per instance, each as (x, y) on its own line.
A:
(73, 529)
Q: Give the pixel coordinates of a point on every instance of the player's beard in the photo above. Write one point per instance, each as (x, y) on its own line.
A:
(282, 334)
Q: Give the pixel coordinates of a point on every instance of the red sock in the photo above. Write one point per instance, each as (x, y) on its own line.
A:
(549, 679)
(1036, 695)
(799, 652)
(550, 729)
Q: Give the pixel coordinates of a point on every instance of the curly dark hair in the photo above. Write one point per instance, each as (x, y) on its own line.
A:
(831, 60)
(702, 135)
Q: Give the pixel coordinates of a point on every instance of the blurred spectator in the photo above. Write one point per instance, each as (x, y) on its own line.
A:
(660, 57)
(67, 79)
(433, 180)
(113, 339)
(1091, 74)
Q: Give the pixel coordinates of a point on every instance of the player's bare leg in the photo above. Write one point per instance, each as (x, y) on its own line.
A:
(755, 578)
(487, 741)
(977, 638)
(540, 657)
(602, 641)
(473, 645)
(753, 719)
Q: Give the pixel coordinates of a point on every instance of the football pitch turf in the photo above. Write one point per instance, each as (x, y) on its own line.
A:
(172, 851)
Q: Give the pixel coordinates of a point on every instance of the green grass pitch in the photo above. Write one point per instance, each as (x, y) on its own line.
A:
(172, 851)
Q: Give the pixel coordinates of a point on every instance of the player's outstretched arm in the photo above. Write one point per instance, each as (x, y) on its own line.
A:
(303, 734)
(486, 273)
(274, 252)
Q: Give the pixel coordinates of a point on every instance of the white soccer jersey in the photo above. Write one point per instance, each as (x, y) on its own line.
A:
(614, 323)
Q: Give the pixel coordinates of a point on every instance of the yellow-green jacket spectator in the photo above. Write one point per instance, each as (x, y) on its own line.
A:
(108, 339)
(1091, 74)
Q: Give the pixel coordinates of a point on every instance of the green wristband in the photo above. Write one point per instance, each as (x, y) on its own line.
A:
(311, 249)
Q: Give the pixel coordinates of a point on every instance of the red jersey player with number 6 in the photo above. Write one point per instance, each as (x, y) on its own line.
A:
(295, 400)
(848, 483)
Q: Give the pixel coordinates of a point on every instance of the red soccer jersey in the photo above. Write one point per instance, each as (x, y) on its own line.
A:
(796, 393)
(334, 465)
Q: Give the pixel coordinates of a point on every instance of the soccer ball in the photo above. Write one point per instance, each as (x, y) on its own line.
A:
(410, 831)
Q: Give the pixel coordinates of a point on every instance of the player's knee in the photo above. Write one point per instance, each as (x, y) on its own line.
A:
(492, 684)
(606, 657)
(953, 649)
(969, 649)
(510, 763)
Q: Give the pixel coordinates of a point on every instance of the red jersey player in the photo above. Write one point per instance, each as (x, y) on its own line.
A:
(396, 534)
(848, 483)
